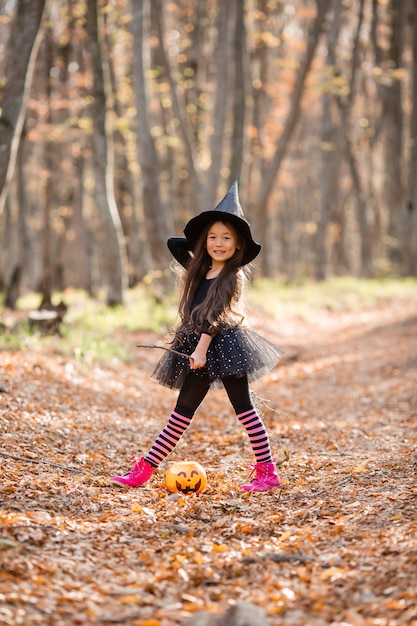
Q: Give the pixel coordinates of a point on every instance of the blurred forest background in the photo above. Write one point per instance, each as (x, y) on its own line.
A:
(121, 120)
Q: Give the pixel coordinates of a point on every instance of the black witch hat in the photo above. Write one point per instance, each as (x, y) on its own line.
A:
(228, 211)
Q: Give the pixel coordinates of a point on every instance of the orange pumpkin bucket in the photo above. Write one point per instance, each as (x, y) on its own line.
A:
(186, 477)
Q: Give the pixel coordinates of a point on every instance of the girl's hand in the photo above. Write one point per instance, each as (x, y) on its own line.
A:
(197, 359)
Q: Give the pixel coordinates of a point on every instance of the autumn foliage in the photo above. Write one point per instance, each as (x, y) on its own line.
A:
(336, 545)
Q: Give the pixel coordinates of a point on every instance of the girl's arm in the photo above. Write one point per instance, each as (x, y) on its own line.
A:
(178, 246)
(198, 357)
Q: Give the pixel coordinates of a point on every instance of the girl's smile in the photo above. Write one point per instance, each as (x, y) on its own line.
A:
(221, 244)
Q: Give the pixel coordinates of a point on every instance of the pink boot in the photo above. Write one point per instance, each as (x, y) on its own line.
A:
(266, 477)
(139, 475)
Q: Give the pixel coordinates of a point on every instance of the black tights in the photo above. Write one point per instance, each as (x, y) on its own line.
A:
(192, 393)
(195, 389)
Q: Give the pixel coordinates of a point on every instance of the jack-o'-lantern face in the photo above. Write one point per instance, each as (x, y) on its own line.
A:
(186, 477)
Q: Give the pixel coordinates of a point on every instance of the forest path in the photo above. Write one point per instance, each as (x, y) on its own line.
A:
(337, 545)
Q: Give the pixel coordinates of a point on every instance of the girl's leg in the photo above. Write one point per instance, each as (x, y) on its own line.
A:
(192, 393)
(239, 395)
(265, 470)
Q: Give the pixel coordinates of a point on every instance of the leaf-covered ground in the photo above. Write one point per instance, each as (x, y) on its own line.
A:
(336, 545)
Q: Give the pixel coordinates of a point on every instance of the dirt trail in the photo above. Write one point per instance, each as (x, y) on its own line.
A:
(337, 545)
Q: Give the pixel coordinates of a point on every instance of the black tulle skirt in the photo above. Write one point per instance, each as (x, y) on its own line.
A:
(234, 351)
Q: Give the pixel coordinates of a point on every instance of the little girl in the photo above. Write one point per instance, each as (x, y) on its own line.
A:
(219, 349)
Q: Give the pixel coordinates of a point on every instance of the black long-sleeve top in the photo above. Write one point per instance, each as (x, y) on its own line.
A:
(178, 246)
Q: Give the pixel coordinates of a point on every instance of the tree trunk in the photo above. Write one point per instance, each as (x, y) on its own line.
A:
(210, 193)
(390, 124)
(410, 209)
(257, 82)
(47, 186)
(271, 173)
(362, 209)
(366, 265)
(125, 188)
(331, 129)
(239, 93)
(157, 219)
(393, 192)
(114, 253)
(21, 53)
(334, 139)
(81, 246)
(19, 255)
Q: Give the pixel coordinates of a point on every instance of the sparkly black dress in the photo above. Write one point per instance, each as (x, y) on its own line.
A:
(235, 350)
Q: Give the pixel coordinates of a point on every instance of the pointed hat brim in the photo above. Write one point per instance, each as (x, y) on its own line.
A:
(228, 211)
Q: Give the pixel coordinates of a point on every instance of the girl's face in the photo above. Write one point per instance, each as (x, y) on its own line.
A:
(221, 243)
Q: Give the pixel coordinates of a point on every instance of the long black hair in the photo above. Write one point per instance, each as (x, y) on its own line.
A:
(221, 304)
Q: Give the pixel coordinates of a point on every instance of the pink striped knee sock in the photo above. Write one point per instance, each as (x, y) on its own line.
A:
(168, 438)
(257, 435)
